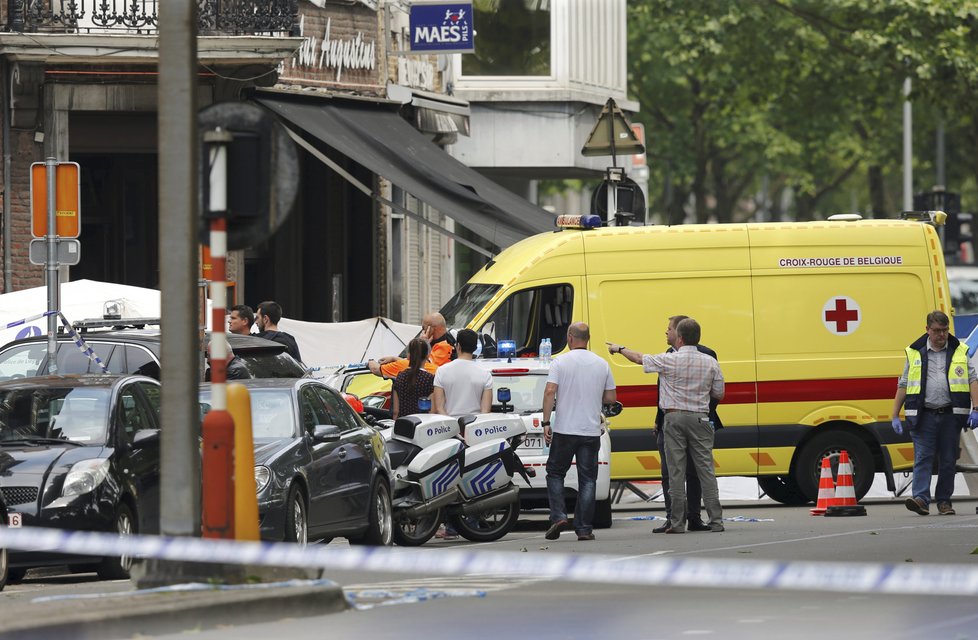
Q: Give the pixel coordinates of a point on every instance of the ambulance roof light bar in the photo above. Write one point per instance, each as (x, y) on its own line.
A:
(937, 218)
(578, 222)
(844, 217)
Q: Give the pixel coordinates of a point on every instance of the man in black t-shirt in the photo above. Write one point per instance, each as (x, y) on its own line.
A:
(267, 317)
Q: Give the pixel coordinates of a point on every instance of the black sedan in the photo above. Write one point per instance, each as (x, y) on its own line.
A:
(80, 453)
(321, 471)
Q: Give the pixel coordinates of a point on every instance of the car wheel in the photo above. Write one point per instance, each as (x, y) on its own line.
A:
(4, 568)
(118, 568)
(602, 514)
(296, 516)
(15, 576)
(782, 489)
(380, 528)
(808, 467)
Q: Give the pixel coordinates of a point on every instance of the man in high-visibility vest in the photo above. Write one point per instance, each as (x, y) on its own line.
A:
(939, 393)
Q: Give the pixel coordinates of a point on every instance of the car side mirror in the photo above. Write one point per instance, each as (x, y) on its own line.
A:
(326, 433)
(146, 438)
(611, 409)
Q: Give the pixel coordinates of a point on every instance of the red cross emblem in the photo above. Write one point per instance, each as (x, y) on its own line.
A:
(841, 315)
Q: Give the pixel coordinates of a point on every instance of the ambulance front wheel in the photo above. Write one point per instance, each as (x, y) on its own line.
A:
(782, 489)
(808, 465)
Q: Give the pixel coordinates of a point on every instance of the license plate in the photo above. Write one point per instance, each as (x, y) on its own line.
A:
(533, 442)
(15, 520)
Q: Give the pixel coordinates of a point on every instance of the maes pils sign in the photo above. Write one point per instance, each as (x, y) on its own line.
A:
(442, 28)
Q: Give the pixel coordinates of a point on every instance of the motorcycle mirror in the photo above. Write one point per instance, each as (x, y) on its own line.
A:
(611, 409)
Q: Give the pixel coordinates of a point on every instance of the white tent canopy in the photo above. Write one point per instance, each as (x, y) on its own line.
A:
(80, 300)
(327, 344)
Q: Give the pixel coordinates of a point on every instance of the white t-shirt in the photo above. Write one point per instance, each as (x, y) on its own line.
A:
(463, 382)
(581, 377)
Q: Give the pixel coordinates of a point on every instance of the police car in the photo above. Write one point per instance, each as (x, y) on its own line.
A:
(526, 379)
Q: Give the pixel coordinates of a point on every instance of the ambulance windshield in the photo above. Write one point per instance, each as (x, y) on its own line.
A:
(466, 303)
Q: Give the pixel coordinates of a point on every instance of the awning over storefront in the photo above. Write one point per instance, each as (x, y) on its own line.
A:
(375, 136)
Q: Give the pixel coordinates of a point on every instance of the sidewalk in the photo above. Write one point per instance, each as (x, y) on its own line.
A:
(128, 612)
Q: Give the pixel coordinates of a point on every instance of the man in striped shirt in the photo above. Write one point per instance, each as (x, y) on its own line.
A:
(688, 379)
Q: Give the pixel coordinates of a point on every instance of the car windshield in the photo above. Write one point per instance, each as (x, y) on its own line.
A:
(272, 416)
(77, 414)
(466, 303)
(526, 392)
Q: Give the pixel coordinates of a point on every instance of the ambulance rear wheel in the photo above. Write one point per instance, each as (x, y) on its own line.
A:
(808, 466)
(782, 489)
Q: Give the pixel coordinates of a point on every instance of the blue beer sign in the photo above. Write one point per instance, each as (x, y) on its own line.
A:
(442, 28)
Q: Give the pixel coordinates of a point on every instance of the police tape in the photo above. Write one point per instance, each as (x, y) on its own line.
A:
(905, 578)
(76, 338)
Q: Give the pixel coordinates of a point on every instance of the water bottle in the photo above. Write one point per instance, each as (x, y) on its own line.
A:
(545, 349)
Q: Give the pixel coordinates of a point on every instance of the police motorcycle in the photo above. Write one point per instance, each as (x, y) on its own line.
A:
(461, 468)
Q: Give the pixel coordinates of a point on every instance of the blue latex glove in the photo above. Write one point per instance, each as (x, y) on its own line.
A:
(972, 420)
(898, 426)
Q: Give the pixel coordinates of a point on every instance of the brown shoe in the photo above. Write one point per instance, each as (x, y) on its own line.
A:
(585, 536)
(945, 509)
(917, 506)
(554, 531)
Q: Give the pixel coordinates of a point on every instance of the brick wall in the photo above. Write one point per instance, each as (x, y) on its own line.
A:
(24, 151)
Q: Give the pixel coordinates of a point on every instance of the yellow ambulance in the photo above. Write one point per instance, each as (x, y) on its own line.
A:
(809, 321)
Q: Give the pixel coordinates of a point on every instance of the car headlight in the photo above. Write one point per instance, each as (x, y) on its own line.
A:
(85, 476)
(262, 476)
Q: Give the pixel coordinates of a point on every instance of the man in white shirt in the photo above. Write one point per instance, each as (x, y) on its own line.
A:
(582, 380)
(461, 386)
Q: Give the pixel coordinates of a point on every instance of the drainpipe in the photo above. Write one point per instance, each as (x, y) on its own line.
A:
(7, 216)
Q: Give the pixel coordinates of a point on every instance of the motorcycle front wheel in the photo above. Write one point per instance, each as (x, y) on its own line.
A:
(415, 532)
(488, 525)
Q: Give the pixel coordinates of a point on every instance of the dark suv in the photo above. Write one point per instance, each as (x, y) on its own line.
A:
(135, 350)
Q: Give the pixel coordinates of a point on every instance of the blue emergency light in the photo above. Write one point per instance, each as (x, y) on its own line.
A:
(504, 395)
(506, 349)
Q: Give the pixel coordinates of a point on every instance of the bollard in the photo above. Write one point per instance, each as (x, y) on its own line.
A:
(245, 494)
(217, 520)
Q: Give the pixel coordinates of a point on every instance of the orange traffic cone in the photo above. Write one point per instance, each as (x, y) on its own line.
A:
(844, 502)
(826, 488)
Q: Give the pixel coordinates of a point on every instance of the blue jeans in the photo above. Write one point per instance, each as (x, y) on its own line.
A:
(934, 434)
(563, 449)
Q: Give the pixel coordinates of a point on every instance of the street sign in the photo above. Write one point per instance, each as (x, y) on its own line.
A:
(67, 200)
(69, 251)
(612, 134)
(442, 28)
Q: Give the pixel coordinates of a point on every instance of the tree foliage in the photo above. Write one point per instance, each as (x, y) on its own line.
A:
(746, 102)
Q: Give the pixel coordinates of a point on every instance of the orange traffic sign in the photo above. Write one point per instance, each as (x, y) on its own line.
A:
(67, 200)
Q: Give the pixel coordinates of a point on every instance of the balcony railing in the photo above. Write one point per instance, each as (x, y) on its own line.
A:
(141, 17)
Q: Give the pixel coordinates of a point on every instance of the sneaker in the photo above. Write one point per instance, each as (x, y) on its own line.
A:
(917, 506)
(945, 509)
(554, 531)
(716, 527)
(444, 533)
(585, 536)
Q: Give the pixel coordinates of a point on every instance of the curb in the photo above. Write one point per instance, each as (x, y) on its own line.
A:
(199, 607)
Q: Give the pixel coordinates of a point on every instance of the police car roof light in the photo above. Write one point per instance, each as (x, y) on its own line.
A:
(578, 222)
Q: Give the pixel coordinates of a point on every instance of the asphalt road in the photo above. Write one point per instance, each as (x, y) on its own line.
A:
(393, 605)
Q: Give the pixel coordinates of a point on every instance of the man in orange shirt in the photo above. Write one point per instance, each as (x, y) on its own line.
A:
(442, 343)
